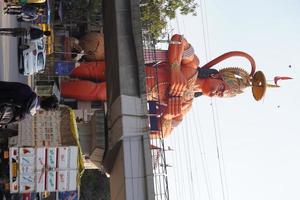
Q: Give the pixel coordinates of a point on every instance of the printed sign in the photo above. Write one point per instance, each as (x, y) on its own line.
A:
(63, 157)
(73, 155)
(51, 155)
(27, 152)
(62, 180)
(40, 158)
(51, 181)
(40, 181)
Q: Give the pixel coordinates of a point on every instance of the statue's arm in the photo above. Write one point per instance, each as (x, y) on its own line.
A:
(177, 45)
(180, 51)
(180, 54)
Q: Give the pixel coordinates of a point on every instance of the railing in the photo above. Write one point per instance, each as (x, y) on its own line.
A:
(157, 146)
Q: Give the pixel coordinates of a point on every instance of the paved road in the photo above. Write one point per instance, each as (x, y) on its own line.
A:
(8, 50)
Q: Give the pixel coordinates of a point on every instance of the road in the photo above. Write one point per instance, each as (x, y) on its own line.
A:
(8, 50)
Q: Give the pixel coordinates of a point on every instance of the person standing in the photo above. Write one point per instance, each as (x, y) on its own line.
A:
(34, 32)
(18, 100)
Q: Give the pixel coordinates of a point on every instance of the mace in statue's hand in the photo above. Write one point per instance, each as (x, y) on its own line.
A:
(174, 108)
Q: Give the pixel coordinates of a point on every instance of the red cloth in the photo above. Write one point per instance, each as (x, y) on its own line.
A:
(90, 71)
(84, 90)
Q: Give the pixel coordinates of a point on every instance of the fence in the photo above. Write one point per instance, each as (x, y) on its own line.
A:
(152, 56)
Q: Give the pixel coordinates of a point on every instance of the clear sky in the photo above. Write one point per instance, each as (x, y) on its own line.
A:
(259, 142)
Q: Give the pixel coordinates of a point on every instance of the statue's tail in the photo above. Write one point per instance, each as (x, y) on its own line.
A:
(232, 54)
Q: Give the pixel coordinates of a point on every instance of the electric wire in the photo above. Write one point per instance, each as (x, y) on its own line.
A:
(181, 171)
(195, 175)
(203, 30)
(175, 163)
(217, 131)
(158, 157)
(221, 150)
(177, 24)
(207, 29)
(177, 150)
(204, 163)
(161, 170)
(218, 150)
(186, 142)
(217, 138)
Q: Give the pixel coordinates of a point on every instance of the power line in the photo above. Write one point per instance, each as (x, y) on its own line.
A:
(221, 148)
(199, 141)
(203, 31)
(217, 131)
(177, 23)
(207, 29)
(189, 157)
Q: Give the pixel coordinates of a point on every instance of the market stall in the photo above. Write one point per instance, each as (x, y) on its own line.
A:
(46, 155)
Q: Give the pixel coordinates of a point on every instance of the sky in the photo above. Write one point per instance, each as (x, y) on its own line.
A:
(258, 142)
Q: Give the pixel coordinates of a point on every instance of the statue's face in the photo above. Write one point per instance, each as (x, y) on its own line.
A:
(214, 87)
(93, 45)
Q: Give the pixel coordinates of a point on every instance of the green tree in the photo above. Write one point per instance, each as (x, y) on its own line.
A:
(94, 186)
(155, 14)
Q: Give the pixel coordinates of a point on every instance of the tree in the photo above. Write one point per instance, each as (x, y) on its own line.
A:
(155, 14)
(94, 186)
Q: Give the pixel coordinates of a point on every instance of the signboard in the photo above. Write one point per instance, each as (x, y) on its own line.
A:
(63, 68)
(41, 130)
(68, 195)
(43, 169)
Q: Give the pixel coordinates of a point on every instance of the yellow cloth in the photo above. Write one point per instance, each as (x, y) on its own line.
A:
(75, 135)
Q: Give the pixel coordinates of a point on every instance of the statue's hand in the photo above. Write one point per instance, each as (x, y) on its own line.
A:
(174, 107)
(178, 83)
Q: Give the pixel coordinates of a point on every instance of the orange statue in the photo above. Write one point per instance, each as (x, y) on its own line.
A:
(174, 83)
